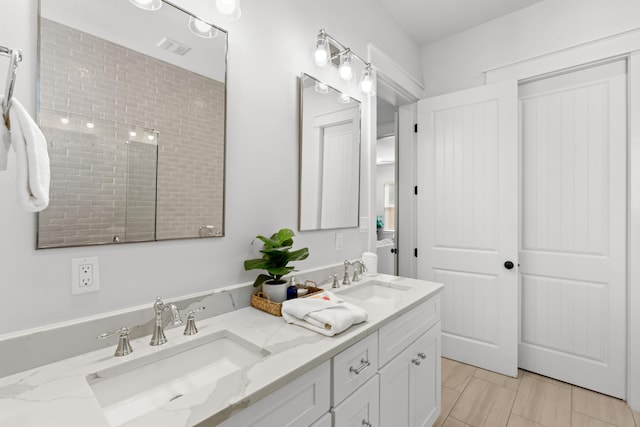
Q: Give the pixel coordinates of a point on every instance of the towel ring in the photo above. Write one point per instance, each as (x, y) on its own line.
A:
(16, 58)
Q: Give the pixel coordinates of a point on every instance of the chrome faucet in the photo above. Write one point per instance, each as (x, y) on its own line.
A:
(358, 268)
(345, 277)
(158, 337)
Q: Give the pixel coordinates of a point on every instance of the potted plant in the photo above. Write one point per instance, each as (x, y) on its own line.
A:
(276, 255)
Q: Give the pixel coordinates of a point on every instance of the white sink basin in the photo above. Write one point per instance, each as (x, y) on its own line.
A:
(375, 291)
(134, 388)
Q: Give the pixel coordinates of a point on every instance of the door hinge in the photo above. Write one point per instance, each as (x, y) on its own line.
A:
(415, 190)
(415, 128)
(415, 252)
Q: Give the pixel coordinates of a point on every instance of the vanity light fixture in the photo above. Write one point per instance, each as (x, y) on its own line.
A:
(147, 4)
(366, 81)
(230, 8)
(201, 28)
(329, 49)
(346, 65)
(322, 53)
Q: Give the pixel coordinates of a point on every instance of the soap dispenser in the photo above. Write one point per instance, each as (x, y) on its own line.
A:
(292, 290)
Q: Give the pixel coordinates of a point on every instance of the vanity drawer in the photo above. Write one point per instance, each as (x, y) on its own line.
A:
(353, 367)
(404, 330)
(360, 409)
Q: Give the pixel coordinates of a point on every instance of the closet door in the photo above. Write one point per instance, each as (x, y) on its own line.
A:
(467, 220)
(573, 242)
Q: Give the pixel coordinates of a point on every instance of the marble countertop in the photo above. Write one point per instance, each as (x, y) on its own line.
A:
(59, 394)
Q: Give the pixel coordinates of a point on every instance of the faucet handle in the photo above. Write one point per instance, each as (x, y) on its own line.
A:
(190, 328)
(124, 347)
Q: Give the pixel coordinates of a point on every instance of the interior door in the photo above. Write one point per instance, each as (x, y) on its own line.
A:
(573, 243)
(467, 220)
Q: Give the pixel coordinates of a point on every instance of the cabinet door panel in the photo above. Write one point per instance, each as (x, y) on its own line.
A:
(325, 421)
(361, 407)
(425, 390)
(395, 380)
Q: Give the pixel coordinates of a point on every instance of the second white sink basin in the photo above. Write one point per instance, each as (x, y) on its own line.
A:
(375, 291)
(134, 388)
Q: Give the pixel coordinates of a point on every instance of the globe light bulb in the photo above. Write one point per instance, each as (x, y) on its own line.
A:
(346, 69)
(321, 54)
(147, 4)
(229, 8)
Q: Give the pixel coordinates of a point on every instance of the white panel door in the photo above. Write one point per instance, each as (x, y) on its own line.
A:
(573, 242)
(467, 220)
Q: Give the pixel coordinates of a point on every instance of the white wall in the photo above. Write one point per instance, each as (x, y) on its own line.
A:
(268, 49)
(458, 62)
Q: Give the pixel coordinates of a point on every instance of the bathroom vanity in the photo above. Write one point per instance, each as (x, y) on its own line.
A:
(247, 368)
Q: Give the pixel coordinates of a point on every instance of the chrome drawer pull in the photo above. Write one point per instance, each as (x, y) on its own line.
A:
(422, 356)
(366, 423)
(365, 364)
(416, 362)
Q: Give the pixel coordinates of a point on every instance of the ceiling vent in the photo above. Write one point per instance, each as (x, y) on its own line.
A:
(173, 46)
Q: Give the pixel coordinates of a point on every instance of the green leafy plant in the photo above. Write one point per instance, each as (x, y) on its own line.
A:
(276, 255)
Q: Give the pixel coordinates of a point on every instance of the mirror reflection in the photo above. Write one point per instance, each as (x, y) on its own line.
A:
(329, 157)
(132, 103)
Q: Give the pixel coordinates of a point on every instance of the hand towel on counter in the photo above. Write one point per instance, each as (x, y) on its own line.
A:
(323, 313)
(32, 159)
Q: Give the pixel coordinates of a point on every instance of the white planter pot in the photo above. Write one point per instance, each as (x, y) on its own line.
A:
(276, 291)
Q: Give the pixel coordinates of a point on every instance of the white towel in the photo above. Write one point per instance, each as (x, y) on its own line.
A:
(32, 159)
(323, 313)
(370, 261)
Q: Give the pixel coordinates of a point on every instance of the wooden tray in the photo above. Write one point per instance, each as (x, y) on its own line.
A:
(261, 300)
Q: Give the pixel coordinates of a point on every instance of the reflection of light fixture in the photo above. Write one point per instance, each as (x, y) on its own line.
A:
(322, 53)
(345, 69)
(151, 137)
(90, 125)
(201, 28)
(321, 88)
(133, 133)
(322, 56)
(229, 8)
(366, 81)
(64, 120)
(344, 99)
(147, 4)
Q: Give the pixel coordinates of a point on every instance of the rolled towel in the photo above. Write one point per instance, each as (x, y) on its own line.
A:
(370, 261)
(32, 159)
(323, 313)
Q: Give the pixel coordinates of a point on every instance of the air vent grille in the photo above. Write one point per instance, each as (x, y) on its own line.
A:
(173, 46)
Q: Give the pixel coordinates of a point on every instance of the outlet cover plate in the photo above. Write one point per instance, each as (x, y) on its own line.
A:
(80, 277)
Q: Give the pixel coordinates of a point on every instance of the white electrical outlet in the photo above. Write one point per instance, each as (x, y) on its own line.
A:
(339, 241)
(85, 274)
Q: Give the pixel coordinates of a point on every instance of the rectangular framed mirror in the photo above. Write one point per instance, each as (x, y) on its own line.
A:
(329, 157)
(133, 105)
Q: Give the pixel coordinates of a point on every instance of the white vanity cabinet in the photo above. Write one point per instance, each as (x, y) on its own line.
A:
(410, 384)
(390, 378)
(302, 402)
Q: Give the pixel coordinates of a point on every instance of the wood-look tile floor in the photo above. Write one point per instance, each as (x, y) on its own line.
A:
(475, 397)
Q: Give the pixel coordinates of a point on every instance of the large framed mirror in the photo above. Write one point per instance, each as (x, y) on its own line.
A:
(133, 105)
(329, 157)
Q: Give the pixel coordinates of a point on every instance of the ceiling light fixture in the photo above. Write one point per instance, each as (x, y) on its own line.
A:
(343, 98)
(230, 8)
(201, 28)
(328, 50)
(147, 4)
